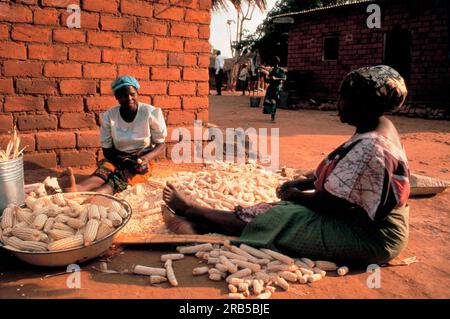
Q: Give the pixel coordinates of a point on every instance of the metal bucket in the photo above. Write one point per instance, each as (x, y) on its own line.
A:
(11, 183)
(255, 101)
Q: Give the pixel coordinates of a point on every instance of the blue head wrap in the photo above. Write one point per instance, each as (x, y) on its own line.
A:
(122, 81)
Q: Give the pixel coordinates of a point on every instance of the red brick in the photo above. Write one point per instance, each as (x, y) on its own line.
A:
(204, 31)
(184, 30)
(59, 3)
(4, 32)
(88, 20)
(6, 123)
(180, 59)
(184, 3)
(136, 8)
(204, 4)
(196, 16)
(201, 46)
(53, 140)
(24, 104)
(37, 122)
(44, 52)
(31, 33)
(182, 88)
(203, 88)
(6, 86)
(36, 86)
(159, 73)
(40, 160)
(151, 27)
(167, 102)
(153, 87)
(88, 139)
(180, 117)
(169, 44)
(15, 14)
(137, 41)
(119, 56)
(203, 115)
(204, 61)
(104, 71)
(22, 68)
(196, 74)
(168, 12)
(26, 140)
(65, 104)
(195, 102)
(33, 2)
(152, 58)
(110, 23)
(46, 16)
(85, 54)
(105, 87)
(100, 103)
(104, 39)
(63, 70)
(69, 36)
(11, 50)
(77, 120)
(102, 6)
(77, 159)
(78, 86)
(139, 72)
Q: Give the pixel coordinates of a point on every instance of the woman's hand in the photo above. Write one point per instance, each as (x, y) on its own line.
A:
(285, 189)
(142, 166)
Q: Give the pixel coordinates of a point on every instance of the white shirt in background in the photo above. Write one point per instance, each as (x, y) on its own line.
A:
(220, 63)
(148, 128)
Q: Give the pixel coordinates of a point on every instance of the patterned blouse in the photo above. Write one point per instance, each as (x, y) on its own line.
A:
(369, 171)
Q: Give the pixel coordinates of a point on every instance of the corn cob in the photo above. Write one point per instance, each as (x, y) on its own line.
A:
(57, 234)
(172, 257)
(170, 273)
(315, 277)
(103, 231)
(62, 226)
(7, 232)
(26, 245)
(200, 271)
(308, 262)
(289, 276)
(283, 258)
(74, 212)
(326, 265)
(149, 271)
(245, 264)
(44, 238)
(319, 271)
(61, 218)
(30, 202)
(91, 231)
(115, 206)
(39, 221)
(66, 243)
(193, 249)
(232, 289)
(93, 212)
(264, 295)
(157, 279)
(7, 218)
(59, 199)
(24, 216)
(115, 218)
(28, 234)
(123, 213)
(83, 216)
(232, 268)
(49, 224)
(342, 271)
(103, 212)
(280, 282)
(20, 225)
(107, 222)
(236, 296)
(221, 267)
(75, 223)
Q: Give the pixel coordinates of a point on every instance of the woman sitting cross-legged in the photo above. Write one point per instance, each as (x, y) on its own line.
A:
(132, 134)
(356, 209)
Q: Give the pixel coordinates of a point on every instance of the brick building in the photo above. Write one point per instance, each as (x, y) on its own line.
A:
(327, 43)
(55, 80)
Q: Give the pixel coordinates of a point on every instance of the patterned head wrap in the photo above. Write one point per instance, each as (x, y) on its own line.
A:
(379, 86)
(122, 81)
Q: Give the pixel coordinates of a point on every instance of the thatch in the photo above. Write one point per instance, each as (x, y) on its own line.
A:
(216, 4)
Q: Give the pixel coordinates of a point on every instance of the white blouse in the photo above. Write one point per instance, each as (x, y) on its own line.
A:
(147, 128)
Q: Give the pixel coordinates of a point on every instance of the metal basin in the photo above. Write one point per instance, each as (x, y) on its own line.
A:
(76, 255)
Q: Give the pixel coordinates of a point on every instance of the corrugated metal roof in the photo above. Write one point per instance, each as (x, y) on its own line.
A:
(321, 9)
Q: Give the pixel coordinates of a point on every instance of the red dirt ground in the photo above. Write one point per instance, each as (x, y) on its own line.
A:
(305, 138)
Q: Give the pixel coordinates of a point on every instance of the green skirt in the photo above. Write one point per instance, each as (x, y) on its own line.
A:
(347, 237)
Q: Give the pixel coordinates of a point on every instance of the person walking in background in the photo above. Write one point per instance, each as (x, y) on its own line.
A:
(275, 79)
(244, 77)
(219, 65)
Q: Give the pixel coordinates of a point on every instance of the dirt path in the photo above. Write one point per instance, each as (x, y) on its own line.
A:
(306, 137)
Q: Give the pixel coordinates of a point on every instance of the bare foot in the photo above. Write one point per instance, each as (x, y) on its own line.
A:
(177, 202)
(175, 223)
(67, 181)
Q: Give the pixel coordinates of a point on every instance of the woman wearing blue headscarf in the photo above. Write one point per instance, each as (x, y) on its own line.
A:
(132, 134)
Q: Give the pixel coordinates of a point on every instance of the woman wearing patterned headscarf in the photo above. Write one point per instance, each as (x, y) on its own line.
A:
(132, 134)
(353, 210)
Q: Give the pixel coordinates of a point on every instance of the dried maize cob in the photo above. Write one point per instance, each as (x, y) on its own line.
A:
(255, 252)
(66, 243)
(149, 271)
(326, 265)
(115, 218)
(157, 279)
(289, 276)
(239, 274)
(103, 231)
(200, 271)
(236, 296)
(232, 268)
(20, 225)
(63, 226)
(24, 216)
(61, 218)
(221, 267)
(245, 264)
(283, 258)
(91, 231)
(232, 289)
(319, 271)
(59, 199)
(264, 295)
(28, 234)
(58, 234)
(172, 257)
(282, 283)
(103, 212)
(193, 249)
(40, 221)
(83, 216)
(115, 206)
(30, 202)
(33, 246)
(75, 223)
(123, 213)
(257, 286)
(93, 212)
(7, 232)
(315, 277)
(170, 273)
(49, 224)
(308, 262)
(7, 218)
(342, 271)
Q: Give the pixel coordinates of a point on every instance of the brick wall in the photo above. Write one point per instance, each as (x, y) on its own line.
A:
(55, 81)
(361, 46)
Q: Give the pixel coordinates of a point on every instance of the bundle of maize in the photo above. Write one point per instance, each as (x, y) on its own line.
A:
(12, 151)
(58, 222)
(219, 185)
